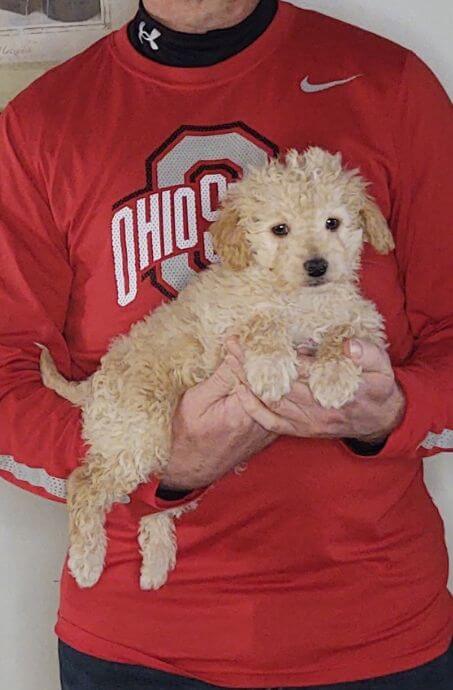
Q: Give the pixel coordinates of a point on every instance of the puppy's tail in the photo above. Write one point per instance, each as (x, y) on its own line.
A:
(77, 392)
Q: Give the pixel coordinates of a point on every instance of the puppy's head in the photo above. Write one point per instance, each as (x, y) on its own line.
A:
(303, 220)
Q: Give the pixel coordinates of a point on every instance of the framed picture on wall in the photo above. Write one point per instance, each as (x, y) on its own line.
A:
(35, 34)
(49, 14)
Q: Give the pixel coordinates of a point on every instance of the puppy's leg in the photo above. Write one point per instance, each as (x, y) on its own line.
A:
(92, 490)
(158, 546)
(100, 482)
(87, 506)
(157, 539)
(334, 378)
(270, 359)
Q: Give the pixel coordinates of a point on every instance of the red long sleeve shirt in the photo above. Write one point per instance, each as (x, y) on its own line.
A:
(315, 565)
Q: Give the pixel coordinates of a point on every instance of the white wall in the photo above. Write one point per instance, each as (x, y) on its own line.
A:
(33, 531)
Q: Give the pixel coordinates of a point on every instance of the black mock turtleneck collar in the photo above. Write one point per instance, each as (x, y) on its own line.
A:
(175, 48)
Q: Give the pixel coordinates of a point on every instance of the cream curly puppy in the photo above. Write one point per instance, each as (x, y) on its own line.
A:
(289, 236)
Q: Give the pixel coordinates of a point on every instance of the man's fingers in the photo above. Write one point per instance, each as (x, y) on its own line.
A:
(234, 347)
(236, 358)
(304, 363)
(368, 356)
(237, 368)
(259, 412)
(300, 394)
(307, 351)
(221, 383)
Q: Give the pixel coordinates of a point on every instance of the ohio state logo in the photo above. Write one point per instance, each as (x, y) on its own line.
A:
(160, 233)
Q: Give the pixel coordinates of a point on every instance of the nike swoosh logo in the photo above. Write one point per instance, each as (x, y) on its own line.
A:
(314, 88)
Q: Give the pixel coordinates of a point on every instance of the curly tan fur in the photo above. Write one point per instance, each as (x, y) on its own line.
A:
(260, 292)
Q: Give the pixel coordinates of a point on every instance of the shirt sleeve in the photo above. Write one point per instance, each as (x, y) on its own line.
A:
(422, 220)
(40, 433)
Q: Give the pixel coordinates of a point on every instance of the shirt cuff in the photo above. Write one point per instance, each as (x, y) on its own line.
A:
(422, 409)
(362, 448)
(151, 494)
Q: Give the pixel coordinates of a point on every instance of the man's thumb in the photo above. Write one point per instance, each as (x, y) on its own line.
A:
(368, 356)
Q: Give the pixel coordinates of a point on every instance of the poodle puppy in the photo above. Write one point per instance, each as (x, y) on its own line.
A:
(289, 236)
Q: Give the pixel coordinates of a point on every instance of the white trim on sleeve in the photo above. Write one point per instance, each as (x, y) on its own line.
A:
(35, 476)
(443, 440)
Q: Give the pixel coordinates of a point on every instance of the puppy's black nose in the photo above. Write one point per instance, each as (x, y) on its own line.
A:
(316, 267)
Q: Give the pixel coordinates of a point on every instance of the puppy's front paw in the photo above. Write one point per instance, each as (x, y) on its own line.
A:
(334, 382)
(271, 376)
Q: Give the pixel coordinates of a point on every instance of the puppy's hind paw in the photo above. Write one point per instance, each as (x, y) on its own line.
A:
(152, 576)
(334, 382)
(271, 376)
(157, 539)
(86, 564)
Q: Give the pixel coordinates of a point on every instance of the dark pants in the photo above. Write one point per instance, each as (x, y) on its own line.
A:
(82, 672)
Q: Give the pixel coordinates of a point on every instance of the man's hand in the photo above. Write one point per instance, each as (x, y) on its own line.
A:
(377, 409)
(212, 433)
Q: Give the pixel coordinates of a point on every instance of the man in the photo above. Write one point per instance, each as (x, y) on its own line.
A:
(324, 563)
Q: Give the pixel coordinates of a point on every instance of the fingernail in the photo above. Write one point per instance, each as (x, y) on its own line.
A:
(355, 348)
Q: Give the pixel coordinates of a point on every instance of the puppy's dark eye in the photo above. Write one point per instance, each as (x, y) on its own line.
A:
(280, 230)
(333, 224)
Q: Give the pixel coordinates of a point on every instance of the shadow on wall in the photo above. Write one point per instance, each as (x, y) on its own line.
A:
(60, 10)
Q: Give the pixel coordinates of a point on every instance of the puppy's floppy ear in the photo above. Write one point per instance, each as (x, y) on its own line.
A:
(229, 238)
(375, 228)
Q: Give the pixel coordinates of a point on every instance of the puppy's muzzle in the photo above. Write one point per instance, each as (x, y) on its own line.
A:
(316, 267)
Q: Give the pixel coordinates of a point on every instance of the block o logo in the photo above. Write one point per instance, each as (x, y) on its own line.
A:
(160, 231)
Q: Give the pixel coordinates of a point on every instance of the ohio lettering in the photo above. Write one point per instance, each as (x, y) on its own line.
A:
(160, 225)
